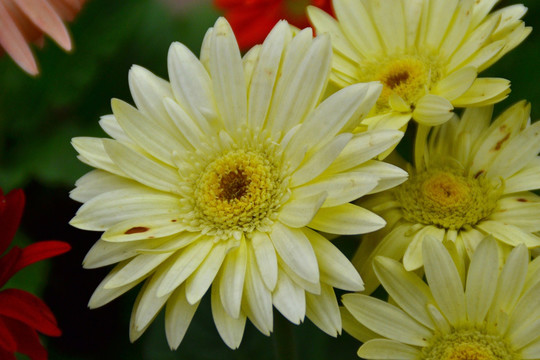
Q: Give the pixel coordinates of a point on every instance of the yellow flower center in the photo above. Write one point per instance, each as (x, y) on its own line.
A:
(407, 76)
(468, 344)
(238, 192)
(447, 198)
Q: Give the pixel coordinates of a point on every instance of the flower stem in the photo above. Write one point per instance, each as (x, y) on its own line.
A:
(284, 339)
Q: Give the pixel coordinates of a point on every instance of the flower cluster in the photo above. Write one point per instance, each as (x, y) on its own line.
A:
(232, 176)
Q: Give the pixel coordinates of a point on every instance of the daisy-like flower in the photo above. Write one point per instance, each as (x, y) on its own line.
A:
(22, 315)
(220, 179)
(24, 22)
(252, 20)
(476, 179)
(478, 314)
(426, 53)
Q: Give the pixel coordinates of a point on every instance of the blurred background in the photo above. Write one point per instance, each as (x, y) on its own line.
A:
(39, 116)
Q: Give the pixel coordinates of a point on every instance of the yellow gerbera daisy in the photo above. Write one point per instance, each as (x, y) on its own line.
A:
(490, 315)
(219, 178)
(475, 179)
(426, 53)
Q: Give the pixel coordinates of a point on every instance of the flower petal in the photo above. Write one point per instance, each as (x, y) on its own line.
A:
(294, 248)
(346, 219)
(444, 281)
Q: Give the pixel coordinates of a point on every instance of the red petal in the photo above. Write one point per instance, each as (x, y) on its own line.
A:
(8, 263)
(7, 340)
(27, 340)
(41, 250)
(29, 309)
(4, 355)
(10, 217)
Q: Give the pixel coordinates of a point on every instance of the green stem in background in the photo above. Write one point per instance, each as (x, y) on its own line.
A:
(284, 339)
(420, 145)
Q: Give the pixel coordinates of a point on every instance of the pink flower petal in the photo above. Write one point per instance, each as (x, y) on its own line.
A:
(13, 41)
(45, 17)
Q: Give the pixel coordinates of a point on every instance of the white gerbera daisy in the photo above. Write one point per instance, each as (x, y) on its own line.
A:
(426, 53)
(219, 178)
(490, 315)
(475, 179)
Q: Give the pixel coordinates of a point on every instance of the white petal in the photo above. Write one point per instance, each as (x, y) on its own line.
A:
(265, 74)
(389, 175)
(324, 23)
(202, 278)
(299, 210)
(97, 182)
(386, 320)
(346, 219)
(390, 24)
(475, 40)
(433, 110)
(518, 152)
(509, 234)
(231, 284)
(148, 227)
(482, 280)
(294, 248)
(316, 163)
(357, 24)
(484, 91)
(412, 259)
(157, 141)
(438, 17)
(228, 76)
(178, 315)
(136, 269)
(190, 82)
(147, 305)
(340, 188)
(336, 270)
(230, 329)
(183, 264)
(455, 84)
(342, 111)
(92, 152)
(289, 298)
(388, 349)
(112, 207)
(265, 255)
(354, 328)
(323, 310)
(141, 168)
(304, 76)
(148, 91)
(102, 296)
(444, 281)
(405, 288)
(189, 128)
(257, 298)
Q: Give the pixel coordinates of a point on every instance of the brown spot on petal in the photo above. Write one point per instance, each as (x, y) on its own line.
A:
(174, 220)
(136, 230)
(522, 200)
(478, 174)
(500, 142)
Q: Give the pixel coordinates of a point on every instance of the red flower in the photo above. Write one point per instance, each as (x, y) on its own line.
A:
(252, 20)
(22, 314)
